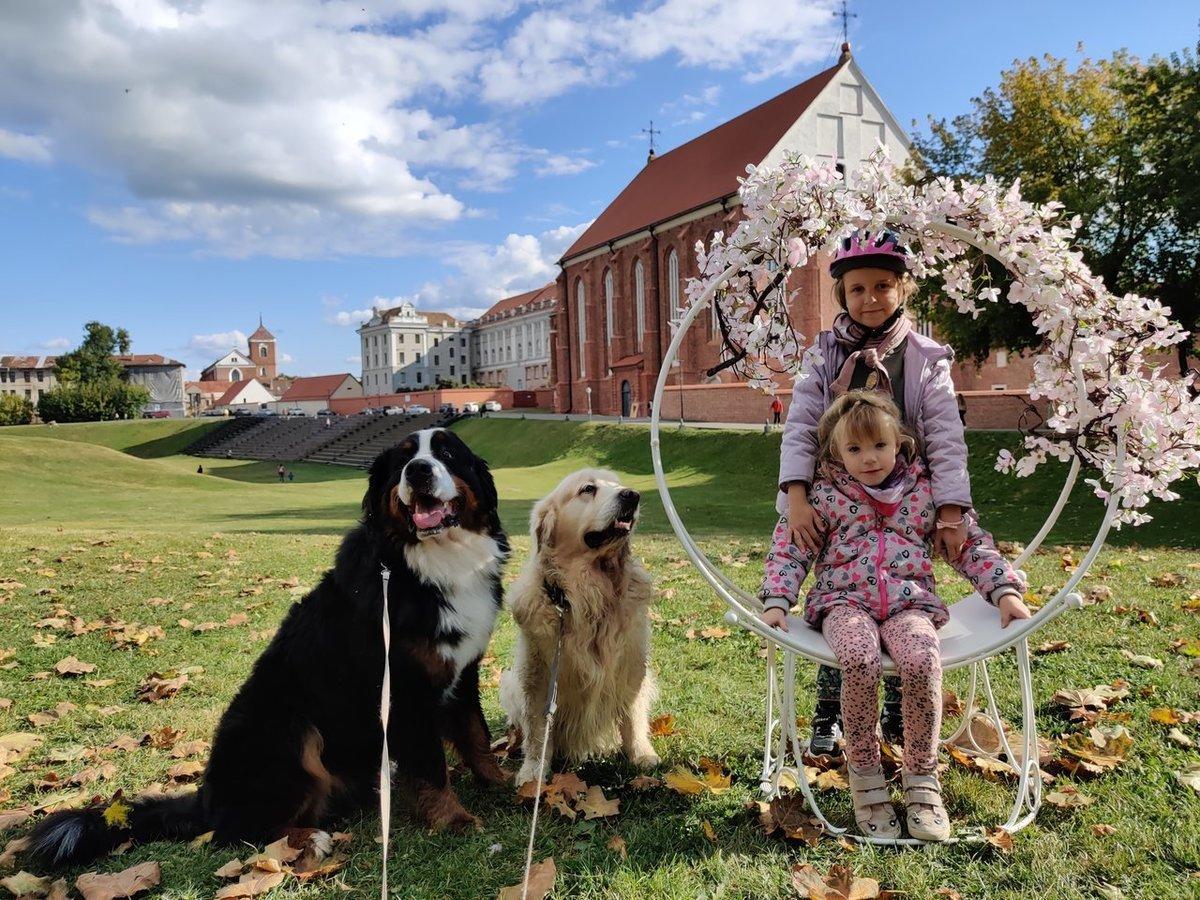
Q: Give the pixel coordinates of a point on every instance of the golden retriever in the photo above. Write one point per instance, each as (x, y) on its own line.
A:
(580, 542)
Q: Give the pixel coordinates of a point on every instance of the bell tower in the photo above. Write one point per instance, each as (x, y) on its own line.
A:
(262, 352)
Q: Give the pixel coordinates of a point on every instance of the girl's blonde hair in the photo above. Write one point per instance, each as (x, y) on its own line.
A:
(861, 417)
(905, 284)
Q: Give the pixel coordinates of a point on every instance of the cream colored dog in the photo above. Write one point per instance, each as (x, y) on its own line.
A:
(581, 533)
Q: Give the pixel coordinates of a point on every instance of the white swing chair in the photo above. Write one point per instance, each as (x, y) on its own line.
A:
(971, 637)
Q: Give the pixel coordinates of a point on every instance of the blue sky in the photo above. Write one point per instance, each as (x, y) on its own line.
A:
(178, 167)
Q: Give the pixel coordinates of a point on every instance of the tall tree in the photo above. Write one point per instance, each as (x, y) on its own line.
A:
(1100, 139)
(92, 361)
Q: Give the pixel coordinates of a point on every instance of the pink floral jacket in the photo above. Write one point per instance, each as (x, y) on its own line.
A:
(876, 554)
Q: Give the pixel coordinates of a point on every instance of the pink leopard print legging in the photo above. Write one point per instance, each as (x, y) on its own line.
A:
(912, 642)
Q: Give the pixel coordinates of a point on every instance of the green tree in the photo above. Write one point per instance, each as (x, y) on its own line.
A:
(91, 381)
(1111, 140)
(15, 410)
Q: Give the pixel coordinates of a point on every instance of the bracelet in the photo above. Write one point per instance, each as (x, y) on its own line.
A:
(942, 524)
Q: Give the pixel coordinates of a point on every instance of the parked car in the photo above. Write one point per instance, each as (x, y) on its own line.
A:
(295, 411)
(265, 412)
(393, 410)
(215, 412)
(493, 406)
(156, 414)
(325, 412)
(242, 411)
(418, 410)
(471, 407)
(368, 411)
(448, 409)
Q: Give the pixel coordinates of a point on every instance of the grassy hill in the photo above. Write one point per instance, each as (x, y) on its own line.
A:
(131, 475)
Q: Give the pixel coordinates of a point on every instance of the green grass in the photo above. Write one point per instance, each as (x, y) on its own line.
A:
(97, 532)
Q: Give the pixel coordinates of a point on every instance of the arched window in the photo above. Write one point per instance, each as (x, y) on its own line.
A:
(582, 326)
(639, 294)
(608, 304)
(262, 350)
(235, 375)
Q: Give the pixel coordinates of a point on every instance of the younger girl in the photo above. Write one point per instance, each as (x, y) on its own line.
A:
(874, 582)
(872, 345)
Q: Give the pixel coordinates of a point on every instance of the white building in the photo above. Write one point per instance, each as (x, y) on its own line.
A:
(405, 350)
(316, 392)
(510, 342)
(248, 394)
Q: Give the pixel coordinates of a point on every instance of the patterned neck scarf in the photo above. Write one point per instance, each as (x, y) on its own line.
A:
(871, 345)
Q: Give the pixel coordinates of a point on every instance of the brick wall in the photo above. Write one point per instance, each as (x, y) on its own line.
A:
(433, 399)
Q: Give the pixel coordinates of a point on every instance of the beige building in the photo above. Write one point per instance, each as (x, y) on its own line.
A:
(32, 376)
(404, 350)
(312, 394)
(510, 343)
(27, 376)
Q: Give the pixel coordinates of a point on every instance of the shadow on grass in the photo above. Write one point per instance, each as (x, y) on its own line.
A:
(266, 471)
(170, 444)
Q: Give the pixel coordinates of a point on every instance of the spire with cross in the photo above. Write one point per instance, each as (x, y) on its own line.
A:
(845, 15)
(652, 131)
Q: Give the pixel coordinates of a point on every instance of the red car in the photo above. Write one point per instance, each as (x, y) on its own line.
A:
(156, 414)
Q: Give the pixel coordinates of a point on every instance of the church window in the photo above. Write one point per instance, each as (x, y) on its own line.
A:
(673, 282)
(235, 375)
(608, 303)
(582, 326)
(262, 350)
(262, 371)
(639, 295)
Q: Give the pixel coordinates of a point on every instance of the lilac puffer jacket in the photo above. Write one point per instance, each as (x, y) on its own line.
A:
(930, 408)
(876, 554)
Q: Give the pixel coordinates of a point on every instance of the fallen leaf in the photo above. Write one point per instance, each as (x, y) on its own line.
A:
(1052, 647)
(791, 816)
(839, 884)
(539, 883)
(1102, 830)
(999, 838)
(663, 726)
(715, 633)
(189, 748)
(1167, 580)
(231, 869)
(128, 883)
(1102, 747)
(617, 845)
(714, 775)
(1176, 736)
(952, 706)
(11, 818)
(155, 687)
(683, 781)
(26, 884)
(186, 771)
(1141, 660)
(1068, 797)
(12, 850)
(251, 884)
(594, 805)
(708, 830)
(827, 780)
(1164, 715)
(1109, 891)
(1190, 777)
(644, 782)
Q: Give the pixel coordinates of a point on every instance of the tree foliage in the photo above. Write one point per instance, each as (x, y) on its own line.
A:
(91, 384)
(15, 410)
(1114, 141)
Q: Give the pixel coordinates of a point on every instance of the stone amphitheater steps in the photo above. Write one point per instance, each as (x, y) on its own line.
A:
(212, 444)
(360, 447)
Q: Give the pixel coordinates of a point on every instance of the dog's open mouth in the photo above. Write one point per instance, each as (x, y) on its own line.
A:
(621, 527)
(431, 515)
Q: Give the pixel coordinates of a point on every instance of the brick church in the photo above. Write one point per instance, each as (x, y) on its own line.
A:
(258, 362)
(623, 280)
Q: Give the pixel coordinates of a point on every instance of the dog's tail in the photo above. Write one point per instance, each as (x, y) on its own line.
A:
(77, 836)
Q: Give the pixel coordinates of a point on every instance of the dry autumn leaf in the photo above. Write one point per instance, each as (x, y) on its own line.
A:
(1068, 797)
(1165, 716)
(1141, 660)
(188, 770)
(618, 846)
(72, 666)
(539, 883)
(251, 884)
(11, 818)
(128, 883)
(594, 805)
(839, 884)
(26, 884)
(644, 782)
(1052, 647)
(682, 781)
(1102, 830)
(999, 839)
(1190, 777)
(663, 726)
(1175, 736)
(155, 686)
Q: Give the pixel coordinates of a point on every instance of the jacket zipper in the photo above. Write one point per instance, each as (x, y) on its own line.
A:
(883, 600)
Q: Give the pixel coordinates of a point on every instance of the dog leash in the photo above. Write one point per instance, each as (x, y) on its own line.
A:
(559, 598)
(385, 706)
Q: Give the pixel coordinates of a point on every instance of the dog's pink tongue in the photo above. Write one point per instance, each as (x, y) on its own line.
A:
(429, 518)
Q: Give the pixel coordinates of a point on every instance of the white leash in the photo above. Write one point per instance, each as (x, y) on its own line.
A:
(551, 708)
(385, 706)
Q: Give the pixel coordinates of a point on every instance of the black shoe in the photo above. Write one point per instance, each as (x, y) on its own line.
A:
(891, 722)
(825, 718)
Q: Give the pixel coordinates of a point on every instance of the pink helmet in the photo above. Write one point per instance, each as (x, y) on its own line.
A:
(864, 249)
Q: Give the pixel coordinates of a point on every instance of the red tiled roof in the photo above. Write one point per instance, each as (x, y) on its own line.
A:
(261, 334)
(146, 359)
(20, 362)
(703, 170)
(509, 304)
(207, 387)
(234, 389)
(317, 387)
(439, 318)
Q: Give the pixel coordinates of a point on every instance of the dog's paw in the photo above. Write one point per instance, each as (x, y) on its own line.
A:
(528, 773)
(645, 760)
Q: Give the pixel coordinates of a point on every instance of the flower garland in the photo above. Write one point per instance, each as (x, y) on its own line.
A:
(802, 207)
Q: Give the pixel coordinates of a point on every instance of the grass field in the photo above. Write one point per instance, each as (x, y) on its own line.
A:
(108, 521)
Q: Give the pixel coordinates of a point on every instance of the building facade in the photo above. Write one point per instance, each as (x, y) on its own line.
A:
(404, 350)
(622, 281)
(317, 392)
(32, 376)
(258, 361)
(510, 343)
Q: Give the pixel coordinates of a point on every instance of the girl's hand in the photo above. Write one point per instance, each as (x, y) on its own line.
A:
(1012, 607)
(775, 617)
(803, 519)
(948, 542)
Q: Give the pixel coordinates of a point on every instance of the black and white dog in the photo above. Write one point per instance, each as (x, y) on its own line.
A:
(300, 743)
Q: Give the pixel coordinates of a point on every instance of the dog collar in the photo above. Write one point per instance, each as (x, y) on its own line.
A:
(556, 594)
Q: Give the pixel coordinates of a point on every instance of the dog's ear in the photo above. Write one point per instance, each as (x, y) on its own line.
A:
(487, 485)
(541, 524)
(377, 481)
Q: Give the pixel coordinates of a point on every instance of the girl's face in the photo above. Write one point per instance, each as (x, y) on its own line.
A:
(869, 461)
(871, 295)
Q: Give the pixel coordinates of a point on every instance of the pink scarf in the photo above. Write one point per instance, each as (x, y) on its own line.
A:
(871, 348)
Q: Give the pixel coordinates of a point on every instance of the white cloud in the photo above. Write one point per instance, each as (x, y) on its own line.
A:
(60, 343)
(561, 164)
(287, 358)
(25, 147)
(219, 343)
(355, 360)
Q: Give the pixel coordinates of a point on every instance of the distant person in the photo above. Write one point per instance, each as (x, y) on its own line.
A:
(776, 410)
(229, 454)
(327, 421)
(292, 477)
(200, 469)
(281, 472)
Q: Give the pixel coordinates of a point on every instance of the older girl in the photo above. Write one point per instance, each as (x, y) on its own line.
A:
(873, 504)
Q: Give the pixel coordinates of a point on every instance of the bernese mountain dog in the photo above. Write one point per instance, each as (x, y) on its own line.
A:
(300, 743)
